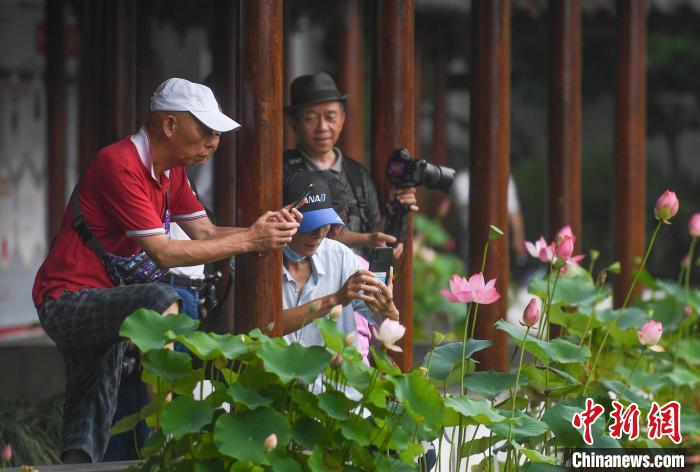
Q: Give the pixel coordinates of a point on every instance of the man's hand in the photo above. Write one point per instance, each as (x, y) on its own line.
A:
(383, 300)
(405, 196)
(287, 214)
(379, 239)
(358, 286)
(272, 230)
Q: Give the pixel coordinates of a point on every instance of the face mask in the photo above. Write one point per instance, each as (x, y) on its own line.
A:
(292, 255)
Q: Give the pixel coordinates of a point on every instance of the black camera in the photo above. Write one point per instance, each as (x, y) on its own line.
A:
(404, 172)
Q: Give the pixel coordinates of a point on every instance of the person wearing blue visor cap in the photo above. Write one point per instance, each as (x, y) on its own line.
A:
(319, 273)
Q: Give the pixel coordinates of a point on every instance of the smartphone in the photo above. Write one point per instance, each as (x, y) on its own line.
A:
(299, 202)
(380, 262)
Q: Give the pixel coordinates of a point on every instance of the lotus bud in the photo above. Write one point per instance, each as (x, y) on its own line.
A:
(423, 371)
(7, 453)
(337, 360)
(594, 254)
(615, 267)
(349, 338)
(650, 333)
(694, 225)
(666, 206)
(565, 233)
(270, 442)
(531, 315)
(495, 232)
(688, 310)
(270, 326)
(335, 312)
(438, 338)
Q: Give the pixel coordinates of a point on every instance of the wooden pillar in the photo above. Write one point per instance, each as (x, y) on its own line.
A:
(107, 74)
(565, 118)
(351, 81)
(56, 108)
(290, 138)
(630, 141)
(223, 45)
(439, 148)
(489, 164)
(392, 126)
(258, 295)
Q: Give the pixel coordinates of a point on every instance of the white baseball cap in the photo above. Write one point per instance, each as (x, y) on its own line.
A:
(182, 95)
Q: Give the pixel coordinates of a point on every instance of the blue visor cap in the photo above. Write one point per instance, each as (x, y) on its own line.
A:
(318, 210)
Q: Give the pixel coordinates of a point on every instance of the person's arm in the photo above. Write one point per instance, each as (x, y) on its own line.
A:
(354, 239)
(203, 228)
(356, 287)
(517, 226)
(265, 234)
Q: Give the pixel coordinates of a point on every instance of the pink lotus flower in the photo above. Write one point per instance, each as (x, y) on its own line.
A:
(459, 290)
(685, 262)
(565, 252)
(694, 225)
(337, 360)
(270, 442)
(650, 334)
(7, 453)
(565, 232)
(531, 315)
(482, 293)
(389, 333)
(666, 206)
(540, 250)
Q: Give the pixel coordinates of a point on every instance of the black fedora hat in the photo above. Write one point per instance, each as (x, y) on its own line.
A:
(310, 89)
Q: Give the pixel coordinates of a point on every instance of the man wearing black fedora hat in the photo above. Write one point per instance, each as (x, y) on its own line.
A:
(317, 114)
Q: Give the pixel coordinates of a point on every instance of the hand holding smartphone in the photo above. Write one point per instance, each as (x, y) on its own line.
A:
(299, 202)
(380, 263)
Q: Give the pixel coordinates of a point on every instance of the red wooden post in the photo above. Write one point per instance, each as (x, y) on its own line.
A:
(351, 81)
(392, 126)
(490, 165)
(630, 141)
(258, 295)
(439, 151)
(565, 118)
(56, 107)
(224, 50)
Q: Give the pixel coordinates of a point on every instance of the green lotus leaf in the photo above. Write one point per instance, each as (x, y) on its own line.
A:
(490, 383)
(378, 397)
(185, 415)
(558, 418)
(357, 374)
(627, 393)
(525, 426)
(294, 361)
(147, 328)
(332, 335)
(421, 399)
(383, 362)
(478, 445)
(576, 322)
(284, 464)
(209, 465)
(167, 365)
(631, 317)
(571, 291)
(541, 467)
(243, 435)
(537, 456)
(209, 346)
(387, 463)
(358, 430)
(446, 358)
(650, 381)
(308, 432)
(479, 410)
(127, 423)
(250, 398)
(533, 345)
(682, 377)
(689, 350)
(307, 402)
(566, 352)
(336, 405)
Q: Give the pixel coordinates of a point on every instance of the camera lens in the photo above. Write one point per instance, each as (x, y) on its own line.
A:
(438, 177)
